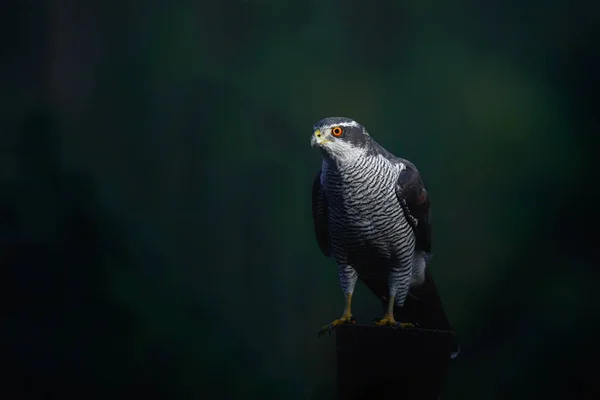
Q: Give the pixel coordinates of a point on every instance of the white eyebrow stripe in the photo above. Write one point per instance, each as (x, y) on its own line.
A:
(343, 124)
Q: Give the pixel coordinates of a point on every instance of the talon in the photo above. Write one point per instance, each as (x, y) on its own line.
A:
(348, 319)
(386, 321)
(389, 320)
(395, 324)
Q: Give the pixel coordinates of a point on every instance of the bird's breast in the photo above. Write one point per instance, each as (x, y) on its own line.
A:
(365, 219)
(359, 206)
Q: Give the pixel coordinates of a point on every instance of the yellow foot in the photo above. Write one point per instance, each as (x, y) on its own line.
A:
(390, 321)
(346, 319)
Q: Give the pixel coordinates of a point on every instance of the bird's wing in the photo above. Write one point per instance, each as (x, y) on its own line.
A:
(414, 198)
(319, 213)
(425, 305)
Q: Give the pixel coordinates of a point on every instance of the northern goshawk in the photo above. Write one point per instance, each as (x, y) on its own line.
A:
(371, 215)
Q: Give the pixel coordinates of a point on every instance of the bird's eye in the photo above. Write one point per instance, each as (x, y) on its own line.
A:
(337, 131)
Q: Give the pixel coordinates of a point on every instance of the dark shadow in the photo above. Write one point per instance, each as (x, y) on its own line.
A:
(62, 330)
(563, 340)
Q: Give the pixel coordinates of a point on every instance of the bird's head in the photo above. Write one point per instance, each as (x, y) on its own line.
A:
(340, 138)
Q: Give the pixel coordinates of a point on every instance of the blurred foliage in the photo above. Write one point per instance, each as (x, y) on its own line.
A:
(166, 241)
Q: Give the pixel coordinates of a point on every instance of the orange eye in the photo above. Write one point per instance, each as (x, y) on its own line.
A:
(337, 131)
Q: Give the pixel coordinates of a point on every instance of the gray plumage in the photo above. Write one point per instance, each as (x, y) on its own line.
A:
(370, 210)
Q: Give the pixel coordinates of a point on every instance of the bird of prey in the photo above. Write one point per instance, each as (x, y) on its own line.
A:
(371, 215)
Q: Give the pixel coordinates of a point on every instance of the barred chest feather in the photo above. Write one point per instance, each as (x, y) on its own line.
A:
(362, 203)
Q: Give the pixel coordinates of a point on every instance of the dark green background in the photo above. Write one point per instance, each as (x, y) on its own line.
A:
(156, 175)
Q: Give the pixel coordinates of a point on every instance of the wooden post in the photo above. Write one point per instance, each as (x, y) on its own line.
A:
(392, 363)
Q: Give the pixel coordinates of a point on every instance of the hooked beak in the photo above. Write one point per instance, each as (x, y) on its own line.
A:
(318, 139)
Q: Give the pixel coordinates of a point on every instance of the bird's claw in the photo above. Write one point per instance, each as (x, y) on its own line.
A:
(385, 321)
(340, 321)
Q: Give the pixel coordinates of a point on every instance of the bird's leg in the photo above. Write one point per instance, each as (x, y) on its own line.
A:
(388, 318)
(348, 277)
(346, 317)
